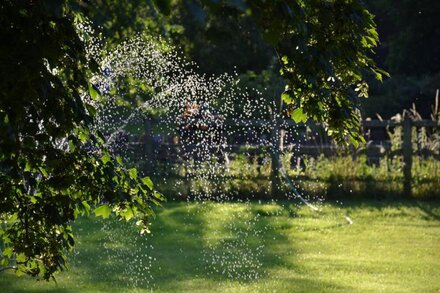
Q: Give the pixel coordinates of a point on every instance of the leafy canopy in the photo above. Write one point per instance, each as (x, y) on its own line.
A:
(53, 168)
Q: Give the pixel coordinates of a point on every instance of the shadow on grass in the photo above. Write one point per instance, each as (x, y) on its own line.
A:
(193, 247)
(432, 211)
(13, 284)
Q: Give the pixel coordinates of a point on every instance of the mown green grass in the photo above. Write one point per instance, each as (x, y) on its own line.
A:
(253, 247)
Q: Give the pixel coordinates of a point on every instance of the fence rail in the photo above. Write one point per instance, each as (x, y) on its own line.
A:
(275, 142)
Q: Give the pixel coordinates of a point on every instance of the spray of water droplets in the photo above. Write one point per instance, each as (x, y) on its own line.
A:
(140, 78)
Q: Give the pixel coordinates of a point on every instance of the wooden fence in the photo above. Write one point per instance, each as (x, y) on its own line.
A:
(277, 143)
(407, 145)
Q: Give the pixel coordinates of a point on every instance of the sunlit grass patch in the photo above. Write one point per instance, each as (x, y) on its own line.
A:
(257, 247)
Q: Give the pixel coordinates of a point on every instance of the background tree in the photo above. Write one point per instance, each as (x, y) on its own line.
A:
(409, 51)
(407, 29)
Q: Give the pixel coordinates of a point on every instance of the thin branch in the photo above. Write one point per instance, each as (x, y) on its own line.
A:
(7, 268)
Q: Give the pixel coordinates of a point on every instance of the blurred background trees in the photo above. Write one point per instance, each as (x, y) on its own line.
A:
(408, 49)
(410, 52)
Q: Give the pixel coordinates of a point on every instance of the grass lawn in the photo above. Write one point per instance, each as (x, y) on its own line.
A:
(252, 247)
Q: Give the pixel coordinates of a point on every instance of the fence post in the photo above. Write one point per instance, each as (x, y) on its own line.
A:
(407, 156)
(148, 145)
(275, 158)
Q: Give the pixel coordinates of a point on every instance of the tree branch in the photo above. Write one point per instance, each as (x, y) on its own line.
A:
(8, 268)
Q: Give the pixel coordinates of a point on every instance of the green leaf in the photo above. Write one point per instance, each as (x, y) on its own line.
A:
(299, 116)
(71, 146)
(287, 97)
(4, 262)
(13, 218)
(28, 167)
(91, 110)
(158, 195)
(133, 173)
(93, 92)
(128, 214)
(147, 181)
(8, 251)
(105, 158)
(83, 136)
(21, 257)
(354, 141)
(119, 160)
(43, 171)
(86, 206)
(103, 211)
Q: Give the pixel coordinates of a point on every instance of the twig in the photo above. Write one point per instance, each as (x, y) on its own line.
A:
(7, 268)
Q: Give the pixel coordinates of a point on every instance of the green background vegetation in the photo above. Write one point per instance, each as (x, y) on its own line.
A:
(408, 48)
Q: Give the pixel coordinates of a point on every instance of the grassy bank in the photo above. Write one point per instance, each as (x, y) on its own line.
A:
(242, 247)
